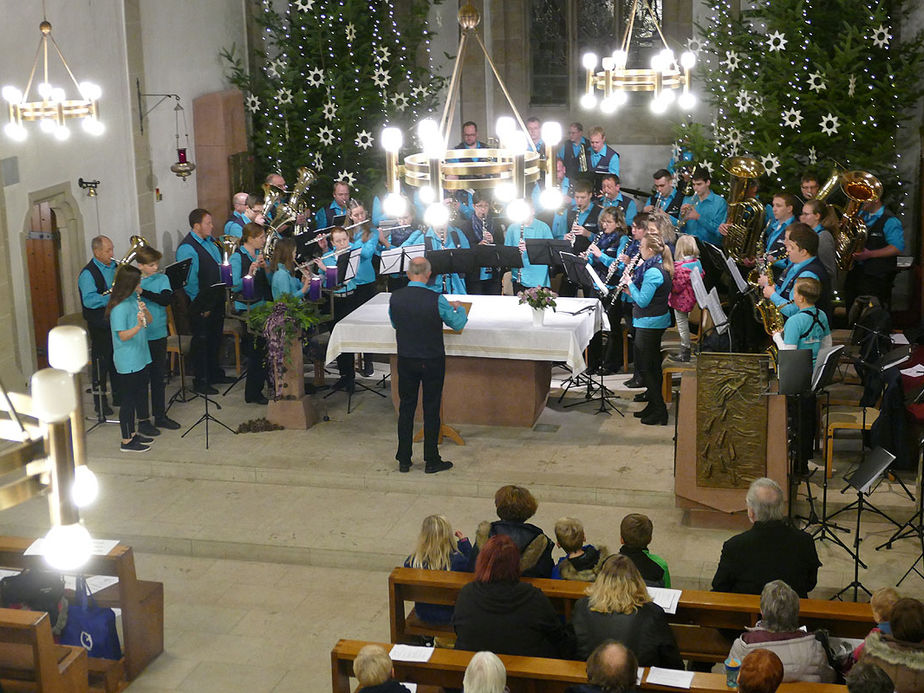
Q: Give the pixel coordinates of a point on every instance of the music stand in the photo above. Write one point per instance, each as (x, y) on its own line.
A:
(497, 256)
(451, 261)
(396, 260)
(547, 251)
(914, 527)
(862, 480)
(794, 373)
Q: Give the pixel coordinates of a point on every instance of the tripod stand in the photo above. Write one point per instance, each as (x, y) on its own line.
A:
(99, 397)
(914, 527)
(206, 417)
(869, 471)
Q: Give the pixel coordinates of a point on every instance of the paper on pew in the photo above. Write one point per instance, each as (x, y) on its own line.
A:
(95, 583)
(99, 547)
(665, 598)
(411, 653)
(675, 678)
(639, 675)
(914, 371)
(412, 687)
(8, 573)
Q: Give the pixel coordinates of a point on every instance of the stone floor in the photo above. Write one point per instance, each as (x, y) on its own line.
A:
(271, 546)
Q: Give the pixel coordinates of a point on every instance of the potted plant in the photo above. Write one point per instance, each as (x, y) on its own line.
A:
(283, 323)
(539, 298)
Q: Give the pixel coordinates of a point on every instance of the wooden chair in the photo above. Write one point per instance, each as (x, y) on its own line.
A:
(30, 659)
(841, 418)
(233, 328)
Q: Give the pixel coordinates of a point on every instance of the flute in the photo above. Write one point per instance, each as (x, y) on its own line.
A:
(144, 319)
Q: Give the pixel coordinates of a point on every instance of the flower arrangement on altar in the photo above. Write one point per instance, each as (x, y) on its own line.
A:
(282, 324)
(538, 298)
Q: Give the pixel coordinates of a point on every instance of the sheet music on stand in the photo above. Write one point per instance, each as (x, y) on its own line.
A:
(351, 266)
(397, 259)
(699, 290)
(825, 366)
(599, 283)
(178, 273)
(714, 306)
(736, 274)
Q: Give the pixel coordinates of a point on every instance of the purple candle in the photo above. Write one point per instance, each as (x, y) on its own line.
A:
(248, 287)
(314, 289)
(226, 274)
(331, 277)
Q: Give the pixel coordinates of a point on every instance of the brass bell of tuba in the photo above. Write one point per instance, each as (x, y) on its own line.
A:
(745, 214)
(287, 212)
(850, 235)
(137, 243)
(825, 190)
(228, 244)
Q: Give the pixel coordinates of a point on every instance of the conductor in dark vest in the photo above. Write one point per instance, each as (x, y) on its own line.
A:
(417, 313)
(93, 283)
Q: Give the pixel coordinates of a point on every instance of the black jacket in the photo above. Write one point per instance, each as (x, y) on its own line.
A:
(646, 632)
(652, 573)
(768, 551)
(535, 548)
(390, 686)
(509, 618)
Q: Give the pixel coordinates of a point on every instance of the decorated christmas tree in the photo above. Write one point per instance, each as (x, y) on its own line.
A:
(801, 85)
(333, 73)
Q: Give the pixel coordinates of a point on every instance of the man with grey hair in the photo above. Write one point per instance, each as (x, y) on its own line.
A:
(374, 671)
(485, 673)
(235, 225)
(770, 550)
(803, 656)
(611, 668)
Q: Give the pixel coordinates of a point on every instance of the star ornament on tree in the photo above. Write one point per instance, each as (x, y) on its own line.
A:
(318, 160)
(326, 136)
(776, 41)
(418, 92)
(706, 165)
(382, 53)
(285, 96)
(881, 37)
(399, 101)
(812, 156)
(350, 32)
(347, 177)
(732, 61)
(792, 118)
(743, 101)
(771, 163)
(253, 103)
(315, 77)
(733, 138)
(381, 78)
(695, 45)
(829, 124)
(363, 139)
(852, 85)
(304, 5)
(330, 110)
(816, 82)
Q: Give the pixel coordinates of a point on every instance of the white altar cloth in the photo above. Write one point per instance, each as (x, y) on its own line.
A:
(497, 328)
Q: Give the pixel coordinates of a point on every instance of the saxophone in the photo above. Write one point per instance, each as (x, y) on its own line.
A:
(625, 278)
(582, 159)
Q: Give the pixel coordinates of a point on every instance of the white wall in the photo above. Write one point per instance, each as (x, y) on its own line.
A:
(181, 42)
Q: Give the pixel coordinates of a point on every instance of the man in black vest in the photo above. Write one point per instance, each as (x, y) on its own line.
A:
(603, 159)
(94, 283)
(666, 197)
(575, 153)
(207, 302)
(417, 313)
(801, 249)
(876, 265)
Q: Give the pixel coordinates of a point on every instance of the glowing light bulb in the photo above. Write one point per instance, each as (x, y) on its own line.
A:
(58, 95)
(93, 127)
(588, 101)
(15, 132)
(391, 139)
(427, 195)
(90, 91)
(687, 101)
(620, 58)
(436, 215)
(607, 106)
(688, 59)
(11, 94)
(47, 125)
(62, 132)
(620, 98)
(67, 547)
(505, 192)
(589, 61)
(551, 132)
(394, 205)
(550, 198)
(658, 106)
(85, 488)
(44, 90)
(518, 211)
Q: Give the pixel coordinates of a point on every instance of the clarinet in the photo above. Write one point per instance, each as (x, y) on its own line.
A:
(625, 278)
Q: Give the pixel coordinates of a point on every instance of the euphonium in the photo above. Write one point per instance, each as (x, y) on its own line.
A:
(138, 242)
(271, 198)
(228, 244)
(288, 211)
(745, 214)
(830, 184)
(850, 235)
(269, 245)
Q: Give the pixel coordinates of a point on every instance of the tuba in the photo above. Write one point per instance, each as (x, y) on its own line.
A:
(850, 235)
(138, 242)
(745, 215)
(271, 198)
(287, 212)
(825, 191)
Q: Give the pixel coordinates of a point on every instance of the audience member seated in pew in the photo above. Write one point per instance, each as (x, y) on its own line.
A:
(803, 656)
(901, 654)
(618, 607)
(498, 612)
(866, 677)
(761, 672)
(771, 550)
(515, 505)
(635, 532)
(611, 668)
(485, 673)
(582, 561)
(881, 602)
(375, 673)
(438, 549)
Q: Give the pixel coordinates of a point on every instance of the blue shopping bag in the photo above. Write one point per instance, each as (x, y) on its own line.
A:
(90, 626)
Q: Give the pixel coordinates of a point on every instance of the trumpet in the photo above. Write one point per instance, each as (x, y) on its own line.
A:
(683, 222)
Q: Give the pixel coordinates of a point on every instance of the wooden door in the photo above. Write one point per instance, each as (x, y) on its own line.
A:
(43, 249)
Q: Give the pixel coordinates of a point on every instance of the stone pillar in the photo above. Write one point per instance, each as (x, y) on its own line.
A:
(294, 409)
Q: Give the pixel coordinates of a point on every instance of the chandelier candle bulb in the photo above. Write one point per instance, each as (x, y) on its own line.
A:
(67, 351)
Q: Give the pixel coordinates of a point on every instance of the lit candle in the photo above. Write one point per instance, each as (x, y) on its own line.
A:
(248, 287)
(314, 289)
(226, 274)
(331, 277)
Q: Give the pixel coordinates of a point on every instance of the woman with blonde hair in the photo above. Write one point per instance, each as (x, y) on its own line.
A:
(650, 289)
(438, 548)
(618, 607)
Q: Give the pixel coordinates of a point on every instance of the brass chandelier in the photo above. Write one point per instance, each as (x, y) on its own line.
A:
(668, 78)
(508, 168)
(52, 109)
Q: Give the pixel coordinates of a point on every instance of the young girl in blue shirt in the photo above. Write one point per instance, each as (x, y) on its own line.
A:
(128, 321)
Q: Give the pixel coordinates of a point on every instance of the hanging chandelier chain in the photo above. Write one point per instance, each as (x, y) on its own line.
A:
(626, 37)
(654, 18)
(502, 86)
(64, 62)
(454, 85)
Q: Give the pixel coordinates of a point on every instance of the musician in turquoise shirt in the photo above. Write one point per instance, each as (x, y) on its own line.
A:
(775, 233)
(283, 266)
(529, 275)
(250, 250)
(451, 237)
(703, 212)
